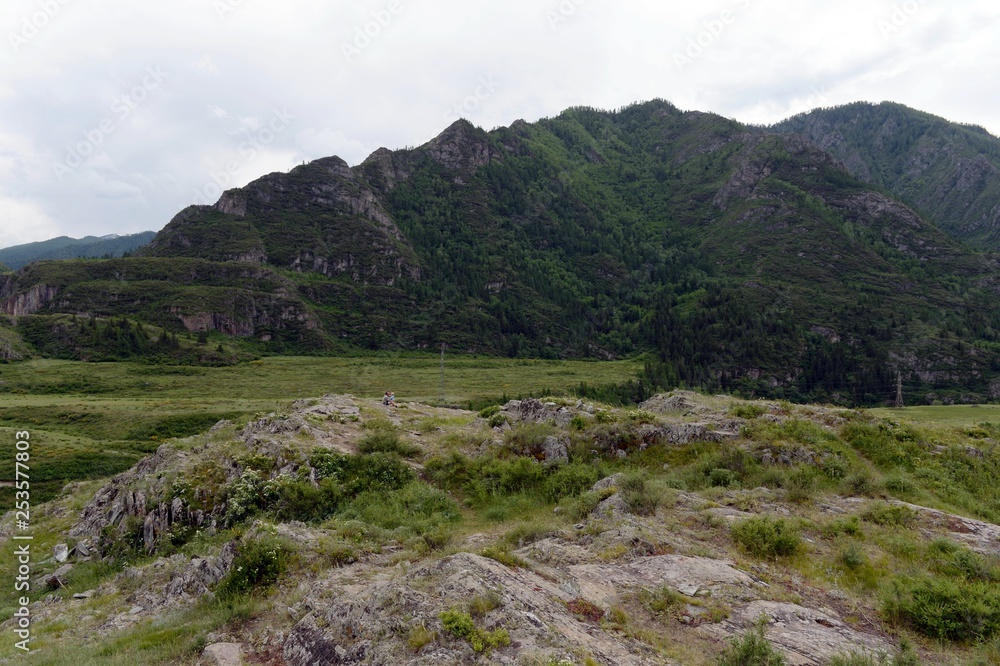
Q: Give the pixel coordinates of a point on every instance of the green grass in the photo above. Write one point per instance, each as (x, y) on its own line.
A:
(90, 420)
(958, 416)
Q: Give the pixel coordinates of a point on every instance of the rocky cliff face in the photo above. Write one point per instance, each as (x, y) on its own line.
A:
(28, 302)
(950, 172)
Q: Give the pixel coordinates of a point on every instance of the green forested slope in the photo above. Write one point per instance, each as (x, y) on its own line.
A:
(738, 259)
(948, 171)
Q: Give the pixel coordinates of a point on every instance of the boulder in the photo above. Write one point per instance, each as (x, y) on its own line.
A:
(554, 450)
(224, 654)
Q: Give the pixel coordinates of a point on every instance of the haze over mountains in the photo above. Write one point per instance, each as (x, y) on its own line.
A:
(784, 261)
(64, 247)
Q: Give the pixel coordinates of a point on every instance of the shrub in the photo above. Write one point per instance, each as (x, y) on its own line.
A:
(257, 566)
(299, 500)
(641, 499)
(357, 474)
(502, 555)
(888, 515)
(487, 412)
(460, 625)
(904, 656)
(766, 537)
(800, 484)
(387, 442)
(417, 507)
(945, 609)
(570, 481)
(419, 637)
(861, 484)
(723, 478)
(751, 649)
(497, 420)
(585, 609)
(662, 601)
(848, 526)
(748, 411)
(482, 604)
(852, 558)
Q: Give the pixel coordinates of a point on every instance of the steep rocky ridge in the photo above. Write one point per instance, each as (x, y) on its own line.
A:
(720, 249)
(949, 171)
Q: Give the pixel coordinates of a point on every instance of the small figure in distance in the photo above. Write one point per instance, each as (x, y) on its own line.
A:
(392, 399)
(385, 398)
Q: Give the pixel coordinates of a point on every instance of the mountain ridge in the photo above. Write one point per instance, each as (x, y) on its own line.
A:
(64, 247)
(741, 258)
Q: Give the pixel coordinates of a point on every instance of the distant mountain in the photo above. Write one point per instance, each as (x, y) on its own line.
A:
(739, 259)
(948, 171)
(65, 247)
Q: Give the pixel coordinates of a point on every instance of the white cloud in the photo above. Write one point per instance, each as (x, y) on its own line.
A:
(225, 76)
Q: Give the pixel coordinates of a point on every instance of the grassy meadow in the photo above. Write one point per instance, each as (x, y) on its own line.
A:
(90, 420)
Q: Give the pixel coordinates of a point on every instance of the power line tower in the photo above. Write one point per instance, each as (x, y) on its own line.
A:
(898, 404)
(442, 373)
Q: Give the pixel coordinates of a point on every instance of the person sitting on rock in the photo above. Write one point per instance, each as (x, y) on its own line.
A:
(385, 398)
(392, 399)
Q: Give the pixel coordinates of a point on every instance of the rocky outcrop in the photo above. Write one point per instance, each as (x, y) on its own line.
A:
(371, 625)
(807, 637)
(27, 302)
(461, 147)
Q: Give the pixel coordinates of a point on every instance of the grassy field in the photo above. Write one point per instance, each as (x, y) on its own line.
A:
(958, 416)
(90, 420)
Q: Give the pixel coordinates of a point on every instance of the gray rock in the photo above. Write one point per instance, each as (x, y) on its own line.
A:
(57, 578)
(61, 553)
(613, 507)
(85, 595)
(224, 654)
(554, 450)
(224, 423)
(607, 482)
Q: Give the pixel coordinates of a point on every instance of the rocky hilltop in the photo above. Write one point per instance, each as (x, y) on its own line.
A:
(535, 532)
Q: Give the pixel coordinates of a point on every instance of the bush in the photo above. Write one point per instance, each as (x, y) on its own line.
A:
(944, 609)
(257, 566)
(387, 442)
(847, 526)
(640, 497)
(357, 474)
(487, 412)
(751, 649)
(766, 537)
(723, 478)
(800, 484)
(417, 507)
(748, 411)
(903, 657)
(888, 515)
(662, 601)
(300, 500)
(460, 625)
(861, 484)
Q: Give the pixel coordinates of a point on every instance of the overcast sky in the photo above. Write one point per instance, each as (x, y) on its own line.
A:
(116, 114)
